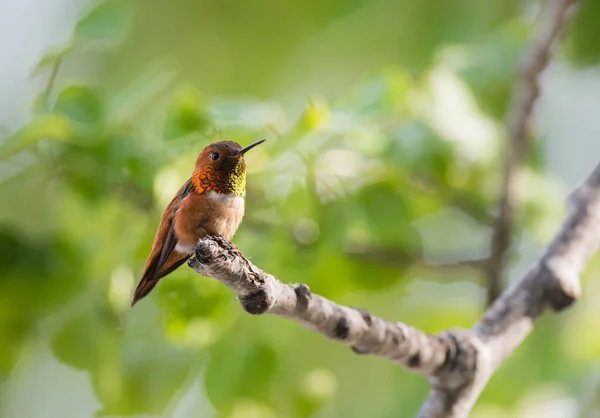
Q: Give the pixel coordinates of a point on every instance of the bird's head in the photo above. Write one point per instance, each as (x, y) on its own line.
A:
(220, 167)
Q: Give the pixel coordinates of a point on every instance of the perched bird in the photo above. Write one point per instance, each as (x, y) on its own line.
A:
(210, 202)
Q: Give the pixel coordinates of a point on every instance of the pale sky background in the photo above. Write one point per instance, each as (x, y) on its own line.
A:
(28, 28)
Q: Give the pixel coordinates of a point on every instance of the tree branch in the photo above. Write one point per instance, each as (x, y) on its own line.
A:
(552, 283)
(458, 362)
(527, 92)
(51, 80)
(261, 293)
(404, 259)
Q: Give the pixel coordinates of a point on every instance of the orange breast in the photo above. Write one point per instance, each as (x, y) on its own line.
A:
(207, 214)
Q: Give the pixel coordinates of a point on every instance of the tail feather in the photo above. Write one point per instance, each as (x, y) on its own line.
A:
(163, 258)
(151, 279)
(143, 288)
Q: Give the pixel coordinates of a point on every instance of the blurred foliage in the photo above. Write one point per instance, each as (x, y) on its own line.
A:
(393, 168)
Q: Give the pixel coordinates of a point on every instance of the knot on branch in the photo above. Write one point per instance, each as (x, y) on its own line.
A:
(256, 303)
(303, 297)
(213, 245)
(217, 257)
(204, 251)
(462, 355)
(563, 284)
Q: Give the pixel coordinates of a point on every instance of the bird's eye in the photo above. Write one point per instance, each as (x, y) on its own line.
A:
(214, 156)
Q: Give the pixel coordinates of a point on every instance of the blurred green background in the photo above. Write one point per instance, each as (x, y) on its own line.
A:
(381, 173)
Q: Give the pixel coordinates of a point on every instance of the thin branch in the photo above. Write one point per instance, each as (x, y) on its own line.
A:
(471, 263)
(458, 363)
(393, 257)
(52, 79)
(458, 199)
(527, 92)
(403, 259)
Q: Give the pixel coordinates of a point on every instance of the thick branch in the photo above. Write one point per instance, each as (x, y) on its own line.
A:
(261, 293)
(527, 92)
(458, 362)
(552, 283)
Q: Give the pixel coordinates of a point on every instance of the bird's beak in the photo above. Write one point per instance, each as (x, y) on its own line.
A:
(248, 147)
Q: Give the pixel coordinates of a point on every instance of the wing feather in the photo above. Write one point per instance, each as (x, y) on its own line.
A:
(157, 265)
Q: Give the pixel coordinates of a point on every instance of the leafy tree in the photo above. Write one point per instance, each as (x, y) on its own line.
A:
(381, 173)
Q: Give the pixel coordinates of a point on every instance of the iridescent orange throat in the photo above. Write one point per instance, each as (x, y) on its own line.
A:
(210, 179)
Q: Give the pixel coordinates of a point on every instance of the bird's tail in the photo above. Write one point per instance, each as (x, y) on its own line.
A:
(151, 278)
(144, 287)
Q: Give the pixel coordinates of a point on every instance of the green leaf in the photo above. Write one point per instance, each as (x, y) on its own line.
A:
(78, 342)
(81, 104)
(315, 388)
(315, 114)
(51, 125)
(46, 126)
(381, 202)
(127, 369)
(584, 29)
(53, 56)
(186, 115)
(109, 21)
(198, 312)
(237, 371)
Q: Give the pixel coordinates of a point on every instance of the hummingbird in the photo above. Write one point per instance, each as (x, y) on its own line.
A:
(211, 202)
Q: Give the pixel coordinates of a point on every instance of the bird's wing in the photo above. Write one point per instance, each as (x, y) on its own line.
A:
(162, 248)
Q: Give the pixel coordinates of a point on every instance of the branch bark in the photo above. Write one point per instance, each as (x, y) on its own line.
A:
(458, 362)
(527, 92)
(260, 293)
